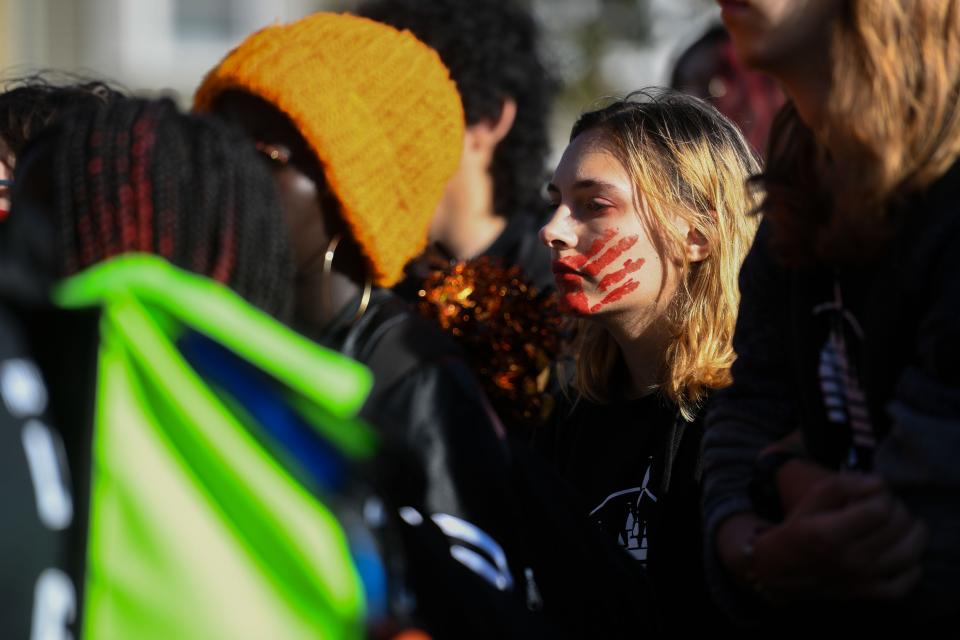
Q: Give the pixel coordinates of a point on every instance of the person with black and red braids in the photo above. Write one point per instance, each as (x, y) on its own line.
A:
(146, 429)
(138, 176)
(109, 177)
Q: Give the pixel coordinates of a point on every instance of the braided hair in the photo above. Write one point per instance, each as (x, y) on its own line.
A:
(139, 176)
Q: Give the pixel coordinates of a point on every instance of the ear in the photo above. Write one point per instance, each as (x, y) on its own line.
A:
(487, 133)
(697, 247)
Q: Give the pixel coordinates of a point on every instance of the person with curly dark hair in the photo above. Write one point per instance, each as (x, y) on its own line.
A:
(30, 104)
(492, 206)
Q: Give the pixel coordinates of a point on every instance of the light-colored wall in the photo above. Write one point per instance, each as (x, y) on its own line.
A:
(598, 47)
(136, 43)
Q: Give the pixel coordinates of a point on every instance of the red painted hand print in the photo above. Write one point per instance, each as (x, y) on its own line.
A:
(572, 271)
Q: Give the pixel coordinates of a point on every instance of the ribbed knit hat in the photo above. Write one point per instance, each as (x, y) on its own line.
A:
(378, 108)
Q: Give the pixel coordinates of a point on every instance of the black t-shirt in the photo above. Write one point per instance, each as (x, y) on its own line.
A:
(612, 456)
(634, 466)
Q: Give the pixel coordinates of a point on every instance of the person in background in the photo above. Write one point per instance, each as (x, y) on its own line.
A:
(363, 128)
(709, 69)
(27, 106)
(649, 229)
(492, 205)
(831, 489)
(112, 181)
(485, 278)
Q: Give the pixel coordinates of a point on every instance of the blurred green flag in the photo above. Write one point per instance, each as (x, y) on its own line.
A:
(197, 529)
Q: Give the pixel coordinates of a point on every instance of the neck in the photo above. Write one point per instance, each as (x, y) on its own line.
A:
(808, 86)
(321, 299)
(644, 349)
(468, 234)
(466, 224)
(810, 100)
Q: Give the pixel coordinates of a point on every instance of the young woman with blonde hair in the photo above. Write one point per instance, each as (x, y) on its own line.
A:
(651, 223)
(831, 487)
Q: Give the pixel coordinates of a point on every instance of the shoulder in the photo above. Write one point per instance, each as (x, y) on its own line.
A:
(760, 269)
(924, 273)
(410, 356)
(929, 231)
(942, 198)
(393, 333)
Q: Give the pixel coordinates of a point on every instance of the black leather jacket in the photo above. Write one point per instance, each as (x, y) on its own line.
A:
(426, 400)
(445, 469)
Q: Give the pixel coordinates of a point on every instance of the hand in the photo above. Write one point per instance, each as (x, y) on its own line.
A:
(796, 478)
(846, 537)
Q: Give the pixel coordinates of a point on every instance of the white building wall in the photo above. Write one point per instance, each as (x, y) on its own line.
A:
(147, 46)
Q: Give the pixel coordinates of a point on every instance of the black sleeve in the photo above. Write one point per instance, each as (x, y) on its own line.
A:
(446, 459)
(756, 410)
(918, 458)
(439, 413)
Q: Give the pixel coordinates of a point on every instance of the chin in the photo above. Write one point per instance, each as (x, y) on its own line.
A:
(573, 308)
(754, 53)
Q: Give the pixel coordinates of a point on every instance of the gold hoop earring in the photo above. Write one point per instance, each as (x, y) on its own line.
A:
(364, 299)
(327, 270)
(326, 275)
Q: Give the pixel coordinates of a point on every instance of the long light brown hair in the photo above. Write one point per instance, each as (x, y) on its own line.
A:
(891, 125)
(685, 159)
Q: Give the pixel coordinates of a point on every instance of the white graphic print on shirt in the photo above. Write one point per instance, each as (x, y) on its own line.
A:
(626, 513)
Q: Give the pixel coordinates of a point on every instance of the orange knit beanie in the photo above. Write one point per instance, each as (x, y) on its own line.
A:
(377, 107)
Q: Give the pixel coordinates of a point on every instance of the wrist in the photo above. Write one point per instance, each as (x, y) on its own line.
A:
(736, 546)
(752, 577)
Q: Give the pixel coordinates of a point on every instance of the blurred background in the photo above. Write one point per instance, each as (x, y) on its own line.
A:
(596, 47)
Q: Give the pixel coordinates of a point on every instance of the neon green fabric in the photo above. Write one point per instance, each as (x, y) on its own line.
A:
(197, 531)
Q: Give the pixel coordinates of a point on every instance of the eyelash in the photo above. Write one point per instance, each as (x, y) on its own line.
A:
(592, 206)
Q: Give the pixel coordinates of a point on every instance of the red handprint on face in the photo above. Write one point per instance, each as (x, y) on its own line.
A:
(572, 271)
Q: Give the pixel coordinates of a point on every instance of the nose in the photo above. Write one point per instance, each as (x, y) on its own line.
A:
(558, 233)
